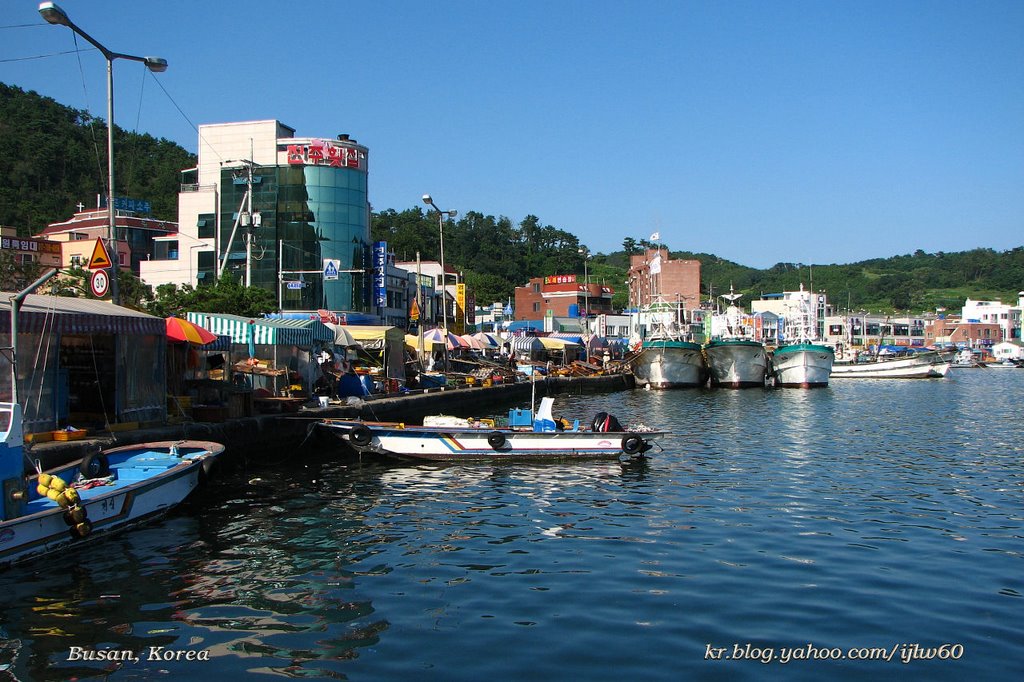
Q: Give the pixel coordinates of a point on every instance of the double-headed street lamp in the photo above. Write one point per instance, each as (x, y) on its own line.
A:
(55, 15)
(441, 215)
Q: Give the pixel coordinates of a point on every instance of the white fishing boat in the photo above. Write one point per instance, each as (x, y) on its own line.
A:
(454, 439)
(735, 359)
(802, 365)
(667, 357)
(62, 508)
(926, 365)
(801, 362)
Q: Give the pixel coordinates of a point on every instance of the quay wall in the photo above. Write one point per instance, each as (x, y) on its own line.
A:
(270, 433)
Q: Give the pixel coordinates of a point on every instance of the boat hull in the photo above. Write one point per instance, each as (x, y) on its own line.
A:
(924, 366)
(737, 363)
(802, 365)
(670, 364)
(148, 481)
(449, 443)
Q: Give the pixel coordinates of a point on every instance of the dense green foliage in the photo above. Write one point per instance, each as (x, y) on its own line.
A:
(52, 157)
(228, 295)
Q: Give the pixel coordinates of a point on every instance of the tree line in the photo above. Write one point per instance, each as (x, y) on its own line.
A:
(53, 156)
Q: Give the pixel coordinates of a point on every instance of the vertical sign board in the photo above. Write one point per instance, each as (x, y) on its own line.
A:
(460, 308)
(380, 265)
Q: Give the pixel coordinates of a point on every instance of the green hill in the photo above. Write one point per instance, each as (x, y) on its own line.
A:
(53, 156)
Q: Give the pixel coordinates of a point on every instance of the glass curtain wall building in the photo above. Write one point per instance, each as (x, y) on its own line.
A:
(303, 234)
(309, 225)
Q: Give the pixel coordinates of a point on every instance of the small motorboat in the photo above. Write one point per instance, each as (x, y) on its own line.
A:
(108, 491)
(525, 437)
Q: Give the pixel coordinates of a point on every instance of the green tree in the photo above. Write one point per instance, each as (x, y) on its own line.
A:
(227, 296)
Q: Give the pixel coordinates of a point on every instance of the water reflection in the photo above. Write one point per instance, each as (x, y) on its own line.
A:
(846, 516)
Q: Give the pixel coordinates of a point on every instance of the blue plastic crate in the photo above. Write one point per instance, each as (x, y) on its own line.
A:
(517, 417)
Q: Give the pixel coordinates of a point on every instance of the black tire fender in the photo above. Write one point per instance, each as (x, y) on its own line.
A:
(95, 466)
(632, 444)
(360, 435)
(496, 439)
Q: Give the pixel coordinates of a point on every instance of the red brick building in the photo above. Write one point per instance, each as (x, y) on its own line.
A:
(675, 280)
(561, 296)
(955, 330)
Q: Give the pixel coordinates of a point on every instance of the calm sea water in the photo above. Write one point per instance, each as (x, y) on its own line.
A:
(775, 526)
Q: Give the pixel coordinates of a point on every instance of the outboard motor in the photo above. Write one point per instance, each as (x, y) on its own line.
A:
(605, 422)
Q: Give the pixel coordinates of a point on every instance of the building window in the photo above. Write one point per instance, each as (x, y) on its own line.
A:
(206, 225)
(536, 307)
(76, 261)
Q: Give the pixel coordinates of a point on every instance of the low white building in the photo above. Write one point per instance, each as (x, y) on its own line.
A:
(1008, 350)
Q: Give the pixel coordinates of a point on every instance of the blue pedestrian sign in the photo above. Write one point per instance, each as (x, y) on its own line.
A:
(331, 268)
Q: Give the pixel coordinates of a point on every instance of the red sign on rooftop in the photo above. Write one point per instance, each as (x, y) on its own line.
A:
(323, 153)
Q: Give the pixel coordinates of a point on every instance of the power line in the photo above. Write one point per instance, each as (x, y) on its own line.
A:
(41, 56)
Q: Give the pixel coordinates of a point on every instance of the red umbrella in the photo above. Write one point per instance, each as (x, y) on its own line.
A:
(183, 330)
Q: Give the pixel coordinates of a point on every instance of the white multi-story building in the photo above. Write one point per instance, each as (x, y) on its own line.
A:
(1008, 317)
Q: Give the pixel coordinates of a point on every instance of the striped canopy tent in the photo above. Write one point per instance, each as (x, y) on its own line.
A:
(264, 331)
(527, 345)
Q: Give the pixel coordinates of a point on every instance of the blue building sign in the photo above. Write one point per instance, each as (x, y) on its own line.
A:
(126, 204)
(380, 267)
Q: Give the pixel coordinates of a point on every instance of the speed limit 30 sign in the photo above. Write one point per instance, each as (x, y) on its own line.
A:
(99, 283)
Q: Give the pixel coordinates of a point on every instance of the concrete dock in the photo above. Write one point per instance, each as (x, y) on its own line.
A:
(270, 433)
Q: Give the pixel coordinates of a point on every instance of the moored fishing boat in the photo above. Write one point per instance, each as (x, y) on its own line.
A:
(464, 440)
(802, 365)
(666, 357)
(736, 363)
(59, 509)
(735, 359)
(926, 365)
(802, 362)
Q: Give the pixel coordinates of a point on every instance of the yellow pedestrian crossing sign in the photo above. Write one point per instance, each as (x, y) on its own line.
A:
(100, 259)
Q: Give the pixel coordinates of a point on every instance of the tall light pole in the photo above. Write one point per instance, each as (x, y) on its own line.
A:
(441, 215)
(55, 15)
(586, 285)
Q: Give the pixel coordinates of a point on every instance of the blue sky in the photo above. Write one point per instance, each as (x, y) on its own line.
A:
(763, 132)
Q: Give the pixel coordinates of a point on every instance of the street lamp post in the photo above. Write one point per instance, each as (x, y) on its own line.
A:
(586, 287)
(53, 14)
(440, 230)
